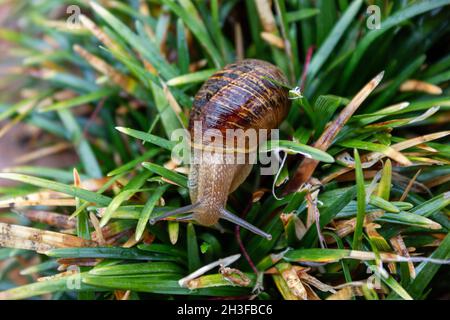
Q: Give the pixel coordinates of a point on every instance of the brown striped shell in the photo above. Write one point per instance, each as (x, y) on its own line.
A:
(240, 96)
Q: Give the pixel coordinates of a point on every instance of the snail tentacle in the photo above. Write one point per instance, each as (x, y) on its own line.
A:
(227, 215)
(185, 218)
(185, 209)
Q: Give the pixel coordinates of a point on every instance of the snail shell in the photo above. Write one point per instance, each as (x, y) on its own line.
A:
(240, 96)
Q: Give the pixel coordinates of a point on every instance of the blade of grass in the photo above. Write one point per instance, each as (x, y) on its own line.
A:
(187, 11)
(361, 203)
(59, 187)
(166, 173)
(148, 210)
(396, 19)
(83, 99)
(125, 194)
(295, 147)
(332, 39)
(193, 253)
(158, 141)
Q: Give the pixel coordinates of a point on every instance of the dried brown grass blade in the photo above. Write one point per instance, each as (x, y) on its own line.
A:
(43, 152)
(54, 219)
(400, 248)
(346, 293)
(15, 236)
(273, 39)
(420, 86)
(239, 41)
(98, 229)
(266, 16)
(438, 181)
(373, 157)
(307, 166)
(294, 283)
(409, 186)
(22, 202)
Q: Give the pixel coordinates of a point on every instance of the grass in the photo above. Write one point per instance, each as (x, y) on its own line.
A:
(372, 119)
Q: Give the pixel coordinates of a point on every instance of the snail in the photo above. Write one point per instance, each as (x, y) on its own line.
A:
(240, 96)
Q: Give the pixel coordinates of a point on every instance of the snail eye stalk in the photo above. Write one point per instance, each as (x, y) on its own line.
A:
(185, 209)
(227, 215)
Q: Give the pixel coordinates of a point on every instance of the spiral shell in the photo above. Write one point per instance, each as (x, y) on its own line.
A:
(241, 96)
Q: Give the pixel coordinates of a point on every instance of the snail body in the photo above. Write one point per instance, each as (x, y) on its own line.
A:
(241, 96)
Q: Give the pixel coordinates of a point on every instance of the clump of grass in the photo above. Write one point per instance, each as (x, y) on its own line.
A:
(372, 202)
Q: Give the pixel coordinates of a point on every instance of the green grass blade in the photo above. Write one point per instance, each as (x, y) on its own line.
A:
(295, 147)
(182, 47)
(187, 11)
(166, 173)
(133, 163)
(427, 269)
(396, 19)
(137, 268)
(333, 38)
(384, 187)
(193, 251)
(148, 137)
(82, 99)
(59, 187)
(84, 150)
(125, 194)
(361, 203)
(148, 210)
(109, 253)
(193, 77)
